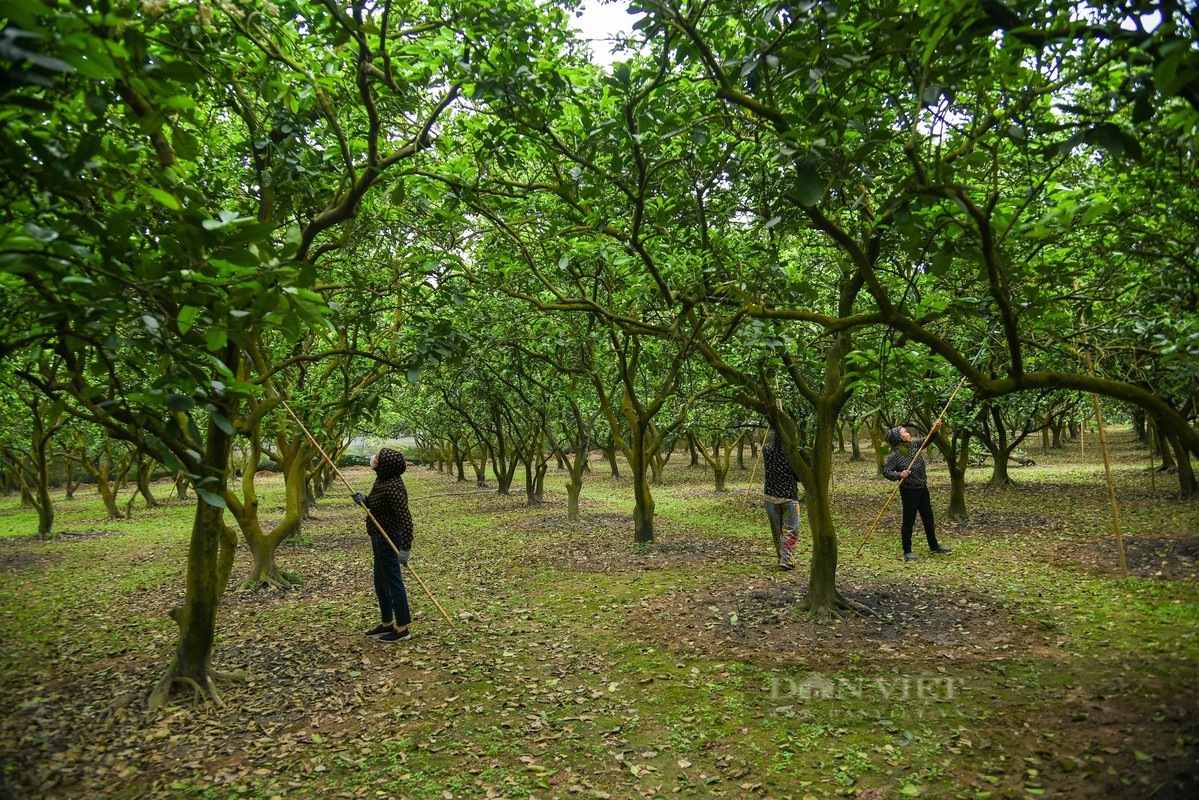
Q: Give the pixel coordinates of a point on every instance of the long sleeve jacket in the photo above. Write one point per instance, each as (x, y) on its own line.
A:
(898, 461)
(780, 478)
(388, 500)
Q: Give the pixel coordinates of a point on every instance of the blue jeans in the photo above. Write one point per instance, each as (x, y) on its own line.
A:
(784, 527)
(389, 584)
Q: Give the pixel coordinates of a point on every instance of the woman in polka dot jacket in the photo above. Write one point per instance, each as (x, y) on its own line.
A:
(388, 503)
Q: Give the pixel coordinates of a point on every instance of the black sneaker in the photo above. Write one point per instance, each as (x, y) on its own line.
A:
(910, 556)
(942, 549)
(396, 636)
(379, 630)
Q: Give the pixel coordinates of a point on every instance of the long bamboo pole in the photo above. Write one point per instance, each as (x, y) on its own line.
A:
(329, 461)
(1107, 459)
(1107, 464)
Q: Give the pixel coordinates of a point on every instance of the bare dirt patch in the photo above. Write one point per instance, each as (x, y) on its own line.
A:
(996, 523)
(764, 619)
(18, 560)
(1147, 557)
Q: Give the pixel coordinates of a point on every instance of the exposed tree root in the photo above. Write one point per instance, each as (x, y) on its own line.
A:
(836, 611)
(274, 579)
(202, 691)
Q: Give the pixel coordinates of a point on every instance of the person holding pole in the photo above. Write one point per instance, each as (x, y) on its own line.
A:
(782, 501)
(387, 505)
(913, 486)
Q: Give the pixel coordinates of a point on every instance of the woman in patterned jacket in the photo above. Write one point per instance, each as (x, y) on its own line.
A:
(388, 503)
(782, 501)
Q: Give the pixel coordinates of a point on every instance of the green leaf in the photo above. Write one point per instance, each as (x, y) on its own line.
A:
(214, 500)
(809, 186)
(165, 198)
(187, 317)
(180, 402)
(43, 235)
(215, 339)
(186, 146)
(222, 422)
(292, 240)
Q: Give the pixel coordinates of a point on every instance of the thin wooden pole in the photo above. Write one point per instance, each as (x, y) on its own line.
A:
(752, 473)
(1152, 430)
(329, 461)
(1107, 464)
(1107, 460)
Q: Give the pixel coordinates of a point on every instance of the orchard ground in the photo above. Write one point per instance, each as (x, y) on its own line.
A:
(1021, 665)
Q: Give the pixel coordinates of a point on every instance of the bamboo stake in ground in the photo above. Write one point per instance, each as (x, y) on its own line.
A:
(329, 461)
(1107, 460)
(1107, 464)
(753, 472)
(1152, 436)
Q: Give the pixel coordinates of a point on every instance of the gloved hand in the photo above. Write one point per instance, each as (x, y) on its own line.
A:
(359, 498)
(404, 557)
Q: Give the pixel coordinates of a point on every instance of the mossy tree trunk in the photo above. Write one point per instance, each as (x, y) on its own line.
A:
(209, 561)
(145, 469)
(263, 545)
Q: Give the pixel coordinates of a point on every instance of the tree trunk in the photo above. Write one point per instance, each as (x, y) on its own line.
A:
(539, 482)
(823, 601)
(610, 453)
(41, 476)
(643, 500)
(73, 478)
(145, 469)
(997, 444)
(574, 488)
(854, 443)
(1164, 448)
(503, 478)
(1187, 488)
(958, 463)
(459, 462)
(108, 494)
(643, 509)
(656, 462)
(210, 558)
(876, 441)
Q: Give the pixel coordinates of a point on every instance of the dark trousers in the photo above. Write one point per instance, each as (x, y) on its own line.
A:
(389, 584)
(917, 500)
